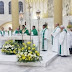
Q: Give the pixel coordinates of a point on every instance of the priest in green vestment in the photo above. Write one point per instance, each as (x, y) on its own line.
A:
(16, 32)
(34, 34)
(10, 32)
(2, 32)
(34, 31)
(25, 30)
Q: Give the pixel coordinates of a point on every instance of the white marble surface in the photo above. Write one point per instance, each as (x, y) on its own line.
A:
(61, 64)
(47, 57)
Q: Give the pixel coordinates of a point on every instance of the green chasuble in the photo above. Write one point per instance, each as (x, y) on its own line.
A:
(25, 31)
(10, 33)
(2, 33)
(18, 31)
(35, 33)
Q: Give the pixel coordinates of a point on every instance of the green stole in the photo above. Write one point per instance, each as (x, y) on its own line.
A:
(3, 33)
(8, 33)
(26, 31)
(54, 32)
(43, 38)
(35, 33)
(18, 31)
(60, 50)
(60, 45)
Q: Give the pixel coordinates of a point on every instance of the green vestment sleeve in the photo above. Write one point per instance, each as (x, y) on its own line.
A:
(35, 32)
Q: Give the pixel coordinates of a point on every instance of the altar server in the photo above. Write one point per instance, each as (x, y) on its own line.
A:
(63, 50)
(25, 30)
(55, 38)
(45, 37)
(34, 33)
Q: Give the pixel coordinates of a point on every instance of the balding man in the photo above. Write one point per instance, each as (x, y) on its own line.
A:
(63, 50)
(55, 38)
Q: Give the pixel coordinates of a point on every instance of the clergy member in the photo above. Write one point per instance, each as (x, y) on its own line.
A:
(45, 37)
(63, 50)
(18, 31)
(25, 30)
(34, 33)
(10, 32)
(69, 39)
(55, 38)
(2, 32)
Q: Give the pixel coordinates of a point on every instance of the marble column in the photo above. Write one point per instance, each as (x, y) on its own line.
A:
(57, 12)
(15, 14)
(71, 7)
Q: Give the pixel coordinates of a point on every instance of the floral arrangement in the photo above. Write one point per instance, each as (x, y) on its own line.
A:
(10, 47)
(28, 53)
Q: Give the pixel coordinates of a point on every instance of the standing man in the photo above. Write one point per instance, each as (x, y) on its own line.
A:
(10, 32)
(55, 38)
(2, 32)
(45, 37)
(25, 30)
(34, 33)
(18, 31)
(63, 50)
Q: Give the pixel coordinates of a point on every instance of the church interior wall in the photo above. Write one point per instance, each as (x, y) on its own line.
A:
(6, 17)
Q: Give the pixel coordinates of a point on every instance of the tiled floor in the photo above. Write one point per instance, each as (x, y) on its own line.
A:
(61, 64)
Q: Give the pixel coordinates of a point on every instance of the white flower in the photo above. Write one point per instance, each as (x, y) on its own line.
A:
(21, 53)
(29, 54)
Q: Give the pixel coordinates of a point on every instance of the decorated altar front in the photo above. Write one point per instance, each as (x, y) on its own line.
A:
(47, 57)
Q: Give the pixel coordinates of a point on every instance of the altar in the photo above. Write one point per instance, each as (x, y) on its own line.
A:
(48, 57)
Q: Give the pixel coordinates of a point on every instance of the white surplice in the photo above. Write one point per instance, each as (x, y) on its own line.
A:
(55, 34)
(63, 43)
(69, 39)
(2, 41)
(46, 38)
